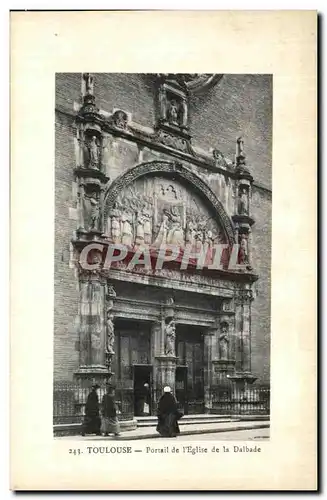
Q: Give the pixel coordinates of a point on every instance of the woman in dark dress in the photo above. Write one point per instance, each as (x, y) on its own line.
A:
(92, 420)
(110, 423)
(168, 415)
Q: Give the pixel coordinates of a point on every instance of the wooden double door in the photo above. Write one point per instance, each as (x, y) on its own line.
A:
(190, 369)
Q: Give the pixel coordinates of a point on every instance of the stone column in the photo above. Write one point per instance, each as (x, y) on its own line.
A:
(101, 222)
(166, 358)
(243, 330)
(80, 205)
(110, 329)
(157, 340)
(84, 311)
(209, 342)
(246, 335)
(92, 326)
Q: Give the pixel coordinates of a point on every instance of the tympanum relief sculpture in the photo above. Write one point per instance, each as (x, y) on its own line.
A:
(156, 211)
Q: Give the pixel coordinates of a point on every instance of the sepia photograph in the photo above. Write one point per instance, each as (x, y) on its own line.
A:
(162, 261)
(159, 225)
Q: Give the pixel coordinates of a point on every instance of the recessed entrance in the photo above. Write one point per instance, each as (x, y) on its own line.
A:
(142, 390)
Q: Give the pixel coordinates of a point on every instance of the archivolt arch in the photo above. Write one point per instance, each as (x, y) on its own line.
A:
(171, 169)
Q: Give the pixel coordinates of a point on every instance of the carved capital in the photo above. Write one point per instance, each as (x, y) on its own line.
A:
(244, 297)
(87, 275)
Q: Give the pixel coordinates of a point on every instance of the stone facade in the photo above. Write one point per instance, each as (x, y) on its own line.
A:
(161, 159)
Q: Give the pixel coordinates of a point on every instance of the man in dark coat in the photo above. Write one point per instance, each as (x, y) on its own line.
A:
(92, 420)
(168, 415)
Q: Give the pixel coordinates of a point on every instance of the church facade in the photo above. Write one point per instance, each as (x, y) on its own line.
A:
(145, 162)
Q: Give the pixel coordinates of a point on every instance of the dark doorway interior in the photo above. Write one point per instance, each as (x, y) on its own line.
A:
(181, 388)
(142, 390)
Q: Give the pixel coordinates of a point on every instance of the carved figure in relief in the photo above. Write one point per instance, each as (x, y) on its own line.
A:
(147, 226)
(94, 152)
(170, 335)
(243, 202)
(209, 240)
(139, 238)
(115, 228)
(173, 112)
(120, 119)
(190, 233)
(175, 234)
(161, 238)
(127, 230)
(198, 246)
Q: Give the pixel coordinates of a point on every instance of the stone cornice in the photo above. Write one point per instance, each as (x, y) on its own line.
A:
(148, 140)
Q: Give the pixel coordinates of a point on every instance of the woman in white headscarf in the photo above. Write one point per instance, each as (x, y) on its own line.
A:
(168, 415)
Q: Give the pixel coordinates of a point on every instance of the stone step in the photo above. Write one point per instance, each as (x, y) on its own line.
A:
(183, 422)
(202, 416)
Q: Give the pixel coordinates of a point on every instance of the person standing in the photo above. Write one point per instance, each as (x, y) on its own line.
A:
(168, 415)
(110, 423)
(92, 420)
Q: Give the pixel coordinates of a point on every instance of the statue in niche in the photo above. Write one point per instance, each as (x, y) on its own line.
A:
(223, 344)
(115, 228)
(93, 149)
(139, 233)
(92, 211)
(89, 83)
(127, 230)
(243, 257)
(175, 234)
(170, 335)
(172, 112)
(243, 202)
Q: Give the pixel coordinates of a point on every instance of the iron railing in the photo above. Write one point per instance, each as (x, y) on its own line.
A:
(69, 399)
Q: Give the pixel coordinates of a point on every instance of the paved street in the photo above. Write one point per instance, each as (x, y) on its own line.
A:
(251, 434)
(255, 431)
